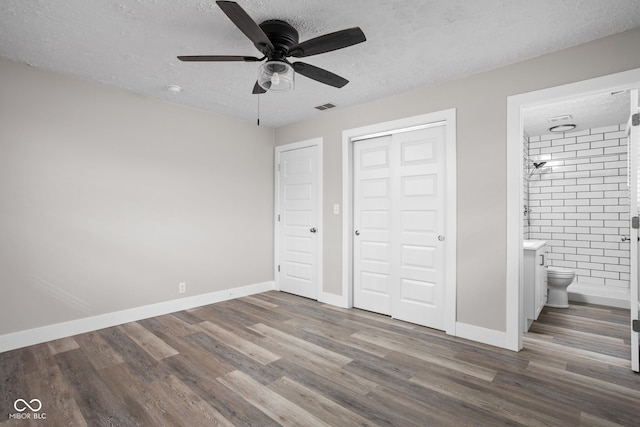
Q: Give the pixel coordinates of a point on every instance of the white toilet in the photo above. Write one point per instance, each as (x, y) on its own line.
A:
(558, 279)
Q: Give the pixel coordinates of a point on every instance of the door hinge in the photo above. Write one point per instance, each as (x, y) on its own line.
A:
(278, 217)
(635, 222)
(278, 269)
(635, 325)
(635, 119)
(278, 167)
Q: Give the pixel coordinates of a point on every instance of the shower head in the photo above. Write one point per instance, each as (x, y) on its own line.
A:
(536, 167)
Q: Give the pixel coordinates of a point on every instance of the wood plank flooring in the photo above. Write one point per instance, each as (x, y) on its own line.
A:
(277, 359)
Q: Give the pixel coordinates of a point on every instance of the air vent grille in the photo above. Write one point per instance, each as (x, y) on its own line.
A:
(324, 106)
(559, 118)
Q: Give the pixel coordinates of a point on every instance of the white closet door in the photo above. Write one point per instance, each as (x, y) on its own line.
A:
(399, 223)
(372, 279)
(298, 225)
(419, 221)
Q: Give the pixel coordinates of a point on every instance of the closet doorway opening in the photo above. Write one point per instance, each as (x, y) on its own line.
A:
(399, 221)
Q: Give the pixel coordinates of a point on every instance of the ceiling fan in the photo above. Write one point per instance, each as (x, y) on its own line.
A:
(277, 40)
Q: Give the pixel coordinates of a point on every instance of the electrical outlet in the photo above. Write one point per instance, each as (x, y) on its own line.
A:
(182, 287)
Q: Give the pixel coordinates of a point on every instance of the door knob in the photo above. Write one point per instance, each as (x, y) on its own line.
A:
(357, 232)
(313, 230)
(441, 238)
(625, 238)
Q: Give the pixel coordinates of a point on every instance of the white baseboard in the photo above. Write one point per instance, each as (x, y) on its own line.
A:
(482, 335)
(610, 297)
(333, 299)
(88, 324)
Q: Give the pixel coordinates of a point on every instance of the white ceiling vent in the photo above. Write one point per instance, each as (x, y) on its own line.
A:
(559, 118)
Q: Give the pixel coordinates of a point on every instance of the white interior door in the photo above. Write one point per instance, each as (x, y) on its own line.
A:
(399, 223)
(634, 184)
(298, 228)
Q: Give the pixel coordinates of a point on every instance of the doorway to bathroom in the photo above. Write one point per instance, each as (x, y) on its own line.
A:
(561, 190)
(576, 192)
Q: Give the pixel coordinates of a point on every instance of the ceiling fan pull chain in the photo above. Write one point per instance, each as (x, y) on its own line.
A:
(258, 109)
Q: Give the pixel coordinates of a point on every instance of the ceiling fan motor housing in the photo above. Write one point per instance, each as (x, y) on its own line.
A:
(282, 35)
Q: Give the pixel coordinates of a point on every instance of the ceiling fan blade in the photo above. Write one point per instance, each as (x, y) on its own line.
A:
(320, 75)
(247, 25)
(218, 58)
(328, 42)
(257, 89)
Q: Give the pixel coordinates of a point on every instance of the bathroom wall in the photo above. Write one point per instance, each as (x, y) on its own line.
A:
(580, 203)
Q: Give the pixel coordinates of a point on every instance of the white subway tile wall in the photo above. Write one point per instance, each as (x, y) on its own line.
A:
(579, 202)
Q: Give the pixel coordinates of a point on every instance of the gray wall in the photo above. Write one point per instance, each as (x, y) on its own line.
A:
(108, 200)
(480, 101)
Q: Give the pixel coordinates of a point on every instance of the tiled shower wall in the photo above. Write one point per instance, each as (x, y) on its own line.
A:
(580, 203)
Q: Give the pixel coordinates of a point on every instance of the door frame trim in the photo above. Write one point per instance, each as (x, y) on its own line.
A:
(317, 142)
(515, 104)
(632, 139)
(448, 116)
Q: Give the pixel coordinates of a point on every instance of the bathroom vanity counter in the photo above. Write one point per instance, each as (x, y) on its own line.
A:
(533, 245)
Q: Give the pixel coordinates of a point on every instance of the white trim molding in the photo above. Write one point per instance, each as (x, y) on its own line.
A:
(482, 335)
(609, 296)
(348, 137)
(515, 105)
(332, 299)
(88, 324)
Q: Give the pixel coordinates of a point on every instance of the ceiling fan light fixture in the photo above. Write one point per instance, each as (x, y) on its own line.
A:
(276, 76)
(277, 40)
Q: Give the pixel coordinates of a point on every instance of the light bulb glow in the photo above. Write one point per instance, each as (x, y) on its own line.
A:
(276, 76)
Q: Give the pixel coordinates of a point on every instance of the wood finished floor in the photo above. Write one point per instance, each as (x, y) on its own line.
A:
(277, 359)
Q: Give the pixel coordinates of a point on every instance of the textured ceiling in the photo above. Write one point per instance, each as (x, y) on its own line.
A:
(593, 111)
(133, 44)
